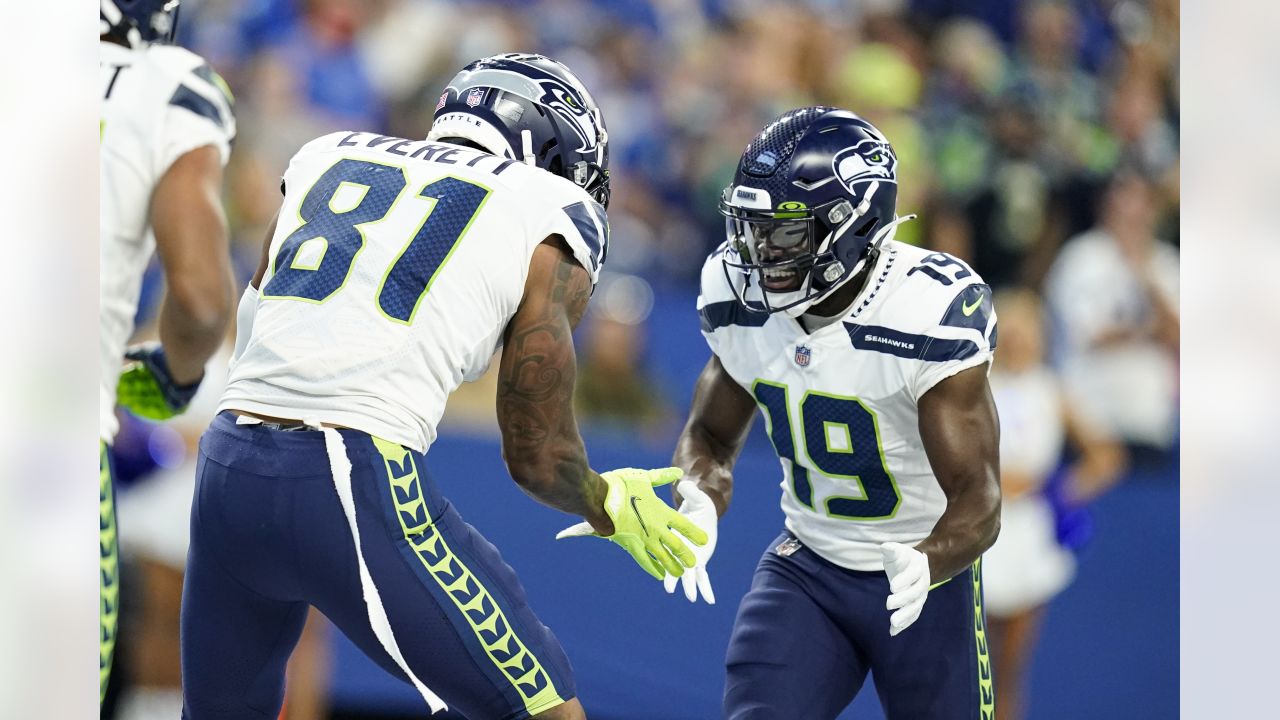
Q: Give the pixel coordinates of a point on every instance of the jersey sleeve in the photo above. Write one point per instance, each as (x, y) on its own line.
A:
(716, 302)
(580, 220)
(198, 112)
(964, 337)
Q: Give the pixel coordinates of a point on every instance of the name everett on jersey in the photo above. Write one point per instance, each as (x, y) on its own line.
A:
(425, 150)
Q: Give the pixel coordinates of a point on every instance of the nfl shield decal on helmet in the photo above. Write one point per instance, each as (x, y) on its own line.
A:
(443, 96)
(475, 96)
(803, 355)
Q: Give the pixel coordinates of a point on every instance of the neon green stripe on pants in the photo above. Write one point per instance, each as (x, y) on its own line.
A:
(496, 635)
(986, 691)
(109, 578)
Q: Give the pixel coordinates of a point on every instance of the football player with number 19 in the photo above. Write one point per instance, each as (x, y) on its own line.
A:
(869, 360)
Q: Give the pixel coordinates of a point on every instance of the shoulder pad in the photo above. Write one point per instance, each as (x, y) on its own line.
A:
(718, 304)
(938, 295)
(562, 208)
(197, 87)
(971, 308)
(591, 223)
(713, 285)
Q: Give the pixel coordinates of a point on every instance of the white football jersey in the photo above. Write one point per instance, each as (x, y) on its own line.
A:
(159, 103)
(394, 270)
(841, 403)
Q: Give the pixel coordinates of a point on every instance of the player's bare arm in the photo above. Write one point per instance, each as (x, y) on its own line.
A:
(540, 440)
(191, 241)
(961, 435)
(717, 428)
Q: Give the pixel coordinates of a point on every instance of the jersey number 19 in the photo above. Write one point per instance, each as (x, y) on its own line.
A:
(859, 458)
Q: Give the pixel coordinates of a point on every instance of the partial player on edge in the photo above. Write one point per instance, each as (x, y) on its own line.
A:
(165, 136)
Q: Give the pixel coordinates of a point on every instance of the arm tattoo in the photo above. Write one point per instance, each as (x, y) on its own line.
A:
(536, 382)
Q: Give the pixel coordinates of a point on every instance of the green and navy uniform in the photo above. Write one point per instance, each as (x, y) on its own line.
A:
(395, 268)
(841, 407)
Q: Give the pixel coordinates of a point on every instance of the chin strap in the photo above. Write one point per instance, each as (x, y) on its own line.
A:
(526, 146)
(602, 136)
(886, 232)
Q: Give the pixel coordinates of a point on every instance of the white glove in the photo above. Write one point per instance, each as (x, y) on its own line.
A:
(908, 571)
(697, 506)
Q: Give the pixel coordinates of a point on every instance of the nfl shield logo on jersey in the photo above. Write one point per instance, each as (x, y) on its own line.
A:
(803, 355)
(474, 97)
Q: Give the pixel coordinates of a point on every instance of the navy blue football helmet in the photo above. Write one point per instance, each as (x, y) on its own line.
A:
(814, 196)
(139, 21)
(530, 108)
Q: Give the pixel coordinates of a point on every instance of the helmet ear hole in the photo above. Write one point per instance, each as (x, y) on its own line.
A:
(867, 227)
(546, 148)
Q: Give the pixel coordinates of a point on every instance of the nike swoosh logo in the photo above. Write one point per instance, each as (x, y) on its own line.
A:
(636, 510)
(968, 309)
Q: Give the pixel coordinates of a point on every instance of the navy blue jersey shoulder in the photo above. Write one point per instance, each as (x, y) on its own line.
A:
(589, 220)
(209, 75)
(971, 308)
(909, 345)
(729, 312)
(186, 98)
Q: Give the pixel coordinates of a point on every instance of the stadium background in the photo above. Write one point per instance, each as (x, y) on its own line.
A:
(1010, 119)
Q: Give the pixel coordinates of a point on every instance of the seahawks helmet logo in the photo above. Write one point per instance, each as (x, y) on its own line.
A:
(565, 102)
(515, 73)
(870, 159)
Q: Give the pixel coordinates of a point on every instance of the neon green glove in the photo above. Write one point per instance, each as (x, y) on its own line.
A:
(643, 524)
(147, 388)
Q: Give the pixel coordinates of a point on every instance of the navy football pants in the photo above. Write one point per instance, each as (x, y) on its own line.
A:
(809, 631)
(270, 536)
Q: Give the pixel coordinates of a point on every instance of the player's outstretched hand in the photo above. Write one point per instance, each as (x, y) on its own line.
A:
(147, 388)
(643, 524)
(908, 571)
(697, 506)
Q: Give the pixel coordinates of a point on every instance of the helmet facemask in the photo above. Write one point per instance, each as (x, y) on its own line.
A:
(138, 22)
(789, 254)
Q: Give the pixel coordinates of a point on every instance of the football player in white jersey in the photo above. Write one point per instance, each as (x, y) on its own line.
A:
(166, 131)
(869, 360)
(394, 271)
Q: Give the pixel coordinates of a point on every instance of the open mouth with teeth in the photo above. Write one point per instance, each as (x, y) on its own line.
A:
(781, 250)
(785, 279)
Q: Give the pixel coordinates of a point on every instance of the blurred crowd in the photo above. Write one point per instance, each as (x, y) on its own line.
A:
(1038, 139)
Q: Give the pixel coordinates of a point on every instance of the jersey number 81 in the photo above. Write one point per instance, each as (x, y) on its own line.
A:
(407, 281)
